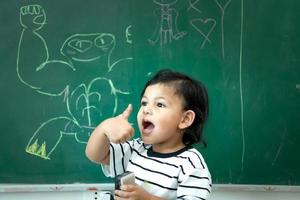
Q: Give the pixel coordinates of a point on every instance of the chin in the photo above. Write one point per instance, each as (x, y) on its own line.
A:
(146, 140)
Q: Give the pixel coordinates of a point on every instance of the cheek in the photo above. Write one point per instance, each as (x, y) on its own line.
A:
(139, 115)
(139, 118)
(170, 122)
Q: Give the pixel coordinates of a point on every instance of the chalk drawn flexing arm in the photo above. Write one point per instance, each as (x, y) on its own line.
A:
(166, 29)
(32, 59)
(85, 96)
(33, 54)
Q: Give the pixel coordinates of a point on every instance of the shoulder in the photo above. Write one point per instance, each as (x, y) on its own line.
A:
(195, 158)
(194, 167)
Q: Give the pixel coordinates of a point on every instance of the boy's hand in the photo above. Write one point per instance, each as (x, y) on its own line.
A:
(132, 192)
(118, 129)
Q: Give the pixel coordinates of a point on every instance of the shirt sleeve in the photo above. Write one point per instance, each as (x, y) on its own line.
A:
(195, 185)
(120, 155)
(118, 159)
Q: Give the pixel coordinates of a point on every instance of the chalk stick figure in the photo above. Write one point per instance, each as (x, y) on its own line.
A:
(166, 30)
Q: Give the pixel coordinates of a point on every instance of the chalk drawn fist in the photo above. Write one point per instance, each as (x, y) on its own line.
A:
(32, 17)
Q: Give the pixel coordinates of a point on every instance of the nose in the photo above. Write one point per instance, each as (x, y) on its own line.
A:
(147, 110)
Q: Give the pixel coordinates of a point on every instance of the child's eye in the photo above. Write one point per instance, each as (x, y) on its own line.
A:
(161, 105)
(143, 103)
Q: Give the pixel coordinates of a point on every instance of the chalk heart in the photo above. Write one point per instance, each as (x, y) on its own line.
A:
(204, 26)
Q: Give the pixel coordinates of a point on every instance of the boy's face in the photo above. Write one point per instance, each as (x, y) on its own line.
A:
(159, 117)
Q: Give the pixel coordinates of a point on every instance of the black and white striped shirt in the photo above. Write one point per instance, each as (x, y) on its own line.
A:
(179, 175)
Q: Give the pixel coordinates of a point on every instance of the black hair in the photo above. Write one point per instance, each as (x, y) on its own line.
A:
(195, 97)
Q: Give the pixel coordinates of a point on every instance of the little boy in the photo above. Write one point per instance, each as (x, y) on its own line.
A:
(174, 108)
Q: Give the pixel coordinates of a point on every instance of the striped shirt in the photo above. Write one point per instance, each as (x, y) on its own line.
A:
(179, 175)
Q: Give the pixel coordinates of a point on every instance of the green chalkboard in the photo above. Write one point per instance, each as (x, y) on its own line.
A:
(67, 65)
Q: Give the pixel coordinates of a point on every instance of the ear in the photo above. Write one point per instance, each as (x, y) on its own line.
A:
(187, 119)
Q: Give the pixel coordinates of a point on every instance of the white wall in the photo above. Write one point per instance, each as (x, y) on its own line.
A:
(88, 192)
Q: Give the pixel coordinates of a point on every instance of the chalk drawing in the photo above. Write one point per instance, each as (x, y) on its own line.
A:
(128, 35)
(203, 26)
(193, 5)
(241, 86)
(85, 91)
(200, 25)
(166, 30)
(222, 8)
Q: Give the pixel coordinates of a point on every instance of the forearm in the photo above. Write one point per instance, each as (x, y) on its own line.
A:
(115, 129)
(97, 148)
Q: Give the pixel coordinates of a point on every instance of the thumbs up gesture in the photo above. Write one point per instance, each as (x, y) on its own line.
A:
(118, 129)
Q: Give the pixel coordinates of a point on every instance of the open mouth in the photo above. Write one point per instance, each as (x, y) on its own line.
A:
(147, 127)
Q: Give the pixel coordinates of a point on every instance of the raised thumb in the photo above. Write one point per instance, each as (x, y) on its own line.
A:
(126, 113)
